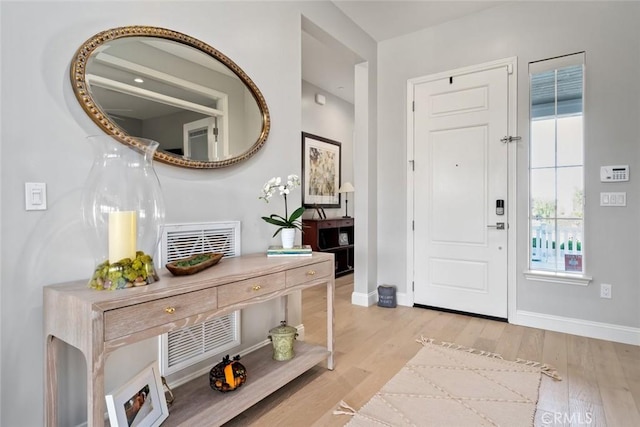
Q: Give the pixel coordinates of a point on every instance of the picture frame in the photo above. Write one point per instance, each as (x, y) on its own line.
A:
(140, 401)
(343, 239)
(321, 170)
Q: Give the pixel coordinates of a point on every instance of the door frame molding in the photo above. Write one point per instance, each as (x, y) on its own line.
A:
(511, 63)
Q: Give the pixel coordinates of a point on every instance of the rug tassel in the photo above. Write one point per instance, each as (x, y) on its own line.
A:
(424, 341)
(551, 372)
(548, 370)
(350, 411)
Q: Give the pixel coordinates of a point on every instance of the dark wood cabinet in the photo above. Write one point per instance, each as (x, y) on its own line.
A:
(333, 235)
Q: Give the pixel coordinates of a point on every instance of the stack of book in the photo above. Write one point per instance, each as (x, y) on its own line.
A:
(303, 250)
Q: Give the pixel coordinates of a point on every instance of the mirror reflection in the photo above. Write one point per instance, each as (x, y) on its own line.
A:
(199, 105)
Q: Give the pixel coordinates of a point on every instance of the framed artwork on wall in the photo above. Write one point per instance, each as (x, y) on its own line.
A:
(320, 171)
(140, 402)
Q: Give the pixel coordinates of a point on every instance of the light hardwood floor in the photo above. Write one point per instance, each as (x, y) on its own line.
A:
(600, 386)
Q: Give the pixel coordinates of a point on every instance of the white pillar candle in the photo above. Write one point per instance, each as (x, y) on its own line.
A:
(122, 235)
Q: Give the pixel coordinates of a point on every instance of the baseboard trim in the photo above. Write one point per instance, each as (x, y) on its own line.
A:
(404, 299)
(585, 328)
(367, 300)
(364, 300)
(300, 329)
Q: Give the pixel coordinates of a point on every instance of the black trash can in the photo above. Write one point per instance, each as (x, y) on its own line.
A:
(387, 296)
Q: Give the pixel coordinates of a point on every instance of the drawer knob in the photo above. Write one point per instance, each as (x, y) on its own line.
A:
(170, 310)
(311, 273)
(257, 287)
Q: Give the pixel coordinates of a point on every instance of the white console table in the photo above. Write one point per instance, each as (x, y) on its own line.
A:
(99, 322)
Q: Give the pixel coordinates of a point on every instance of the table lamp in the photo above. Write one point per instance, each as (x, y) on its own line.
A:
(347, 187)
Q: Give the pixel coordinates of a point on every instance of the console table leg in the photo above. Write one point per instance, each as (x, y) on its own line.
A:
(285, 304)
(51, 382)
(95, 392)
(330, 322)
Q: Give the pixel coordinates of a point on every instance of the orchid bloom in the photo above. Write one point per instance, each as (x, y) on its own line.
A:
(269, 188)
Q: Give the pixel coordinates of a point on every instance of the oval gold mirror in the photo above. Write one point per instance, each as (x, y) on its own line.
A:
(163, 85)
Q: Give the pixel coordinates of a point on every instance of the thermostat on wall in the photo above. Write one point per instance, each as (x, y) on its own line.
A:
(614, 173)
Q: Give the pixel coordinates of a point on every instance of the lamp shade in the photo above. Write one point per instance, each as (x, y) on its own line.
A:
(347, 187)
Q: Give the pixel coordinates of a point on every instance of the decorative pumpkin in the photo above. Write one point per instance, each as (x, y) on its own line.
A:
(227, 375)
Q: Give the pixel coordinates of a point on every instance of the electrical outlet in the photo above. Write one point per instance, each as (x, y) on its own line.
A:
(605, 290)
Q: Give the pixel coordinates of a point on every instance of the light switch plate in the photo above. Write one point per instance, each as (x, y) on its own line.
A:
(35, 196)
(617, 199)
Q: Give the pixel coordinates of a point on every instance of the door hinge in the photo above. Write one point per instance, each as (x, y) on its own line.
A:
(413, 286)
(413, 164)
(413, 225)
(413, 106)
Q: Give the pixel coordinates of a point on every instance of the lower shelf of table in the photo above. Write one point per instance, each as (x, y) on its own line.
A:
(196, 404)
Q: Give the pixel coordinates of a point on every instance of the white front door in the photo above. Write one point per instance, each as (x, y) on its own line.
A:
(460, 183)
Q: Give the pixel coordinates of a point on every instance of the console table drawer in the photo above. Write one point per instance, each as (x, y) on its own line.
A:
(138, 317)
(248, 289)
(308, 273)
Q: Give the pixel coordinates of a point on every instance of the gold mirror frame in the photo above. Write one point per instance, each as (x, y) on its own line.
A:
(102, 119)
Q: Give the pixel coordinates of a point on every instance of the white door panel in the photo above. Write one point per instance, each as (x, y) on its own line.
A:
(460, 101)
(460, 171)
(458, 274)
(458, 186)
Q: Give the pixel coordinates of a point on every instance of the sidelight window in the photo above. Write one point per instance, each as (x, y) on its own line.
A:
(556, 164)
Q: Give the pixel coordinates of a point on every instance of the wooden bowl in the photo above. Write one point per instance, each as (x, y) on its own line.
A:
(194, 263)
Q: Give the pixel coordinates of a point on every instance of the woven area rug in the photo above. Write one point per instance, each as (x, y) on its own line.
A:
(450, 385)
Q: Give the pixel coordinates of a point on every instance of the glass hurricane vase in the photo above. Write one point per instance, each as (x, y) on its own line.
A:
(123, 207)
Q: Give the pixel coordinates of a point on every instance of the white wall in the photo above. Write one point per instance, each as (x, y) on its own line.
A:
(43, 140)
(609, 34)
(334, 120)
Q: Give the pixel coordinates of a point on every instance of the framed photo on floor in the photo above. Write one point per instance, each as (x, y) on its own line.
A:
(320, 171)
(140, 402)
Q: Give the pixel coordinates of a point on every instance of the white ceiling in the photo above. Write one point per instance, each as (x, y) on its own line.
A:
(330, 65)
(384, 20)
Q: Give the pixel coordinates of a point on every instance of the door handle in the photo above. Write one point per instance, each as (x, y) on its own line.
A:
(510, 139)
(498, 226)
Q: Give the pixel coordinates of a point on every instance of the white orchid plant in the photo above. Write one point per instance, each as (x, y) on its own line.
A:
(284, 188)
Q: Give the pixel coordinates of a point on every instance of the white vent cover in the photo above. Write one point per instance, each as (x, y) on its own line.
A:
(187, 346)
(183, 240)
